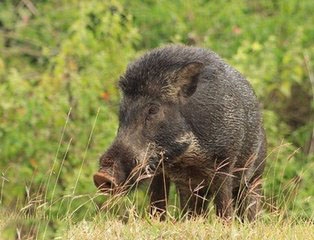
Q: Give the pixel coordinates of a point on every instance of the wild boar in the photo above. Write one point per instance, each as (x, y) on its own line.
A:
(188, 117)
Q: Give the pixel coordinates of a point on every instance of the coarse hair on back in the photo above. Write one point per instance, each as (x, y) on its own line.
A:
(149, 74)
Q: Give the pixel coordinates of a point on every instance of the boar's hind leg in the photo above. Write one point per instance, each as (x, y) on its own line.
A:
(249, 194)
(159, 191)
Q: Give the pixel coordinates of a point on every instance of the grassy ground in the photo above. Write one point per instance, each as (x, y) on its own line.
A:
(141, 228)
(126, 217)
(197, 229)
(130, 225)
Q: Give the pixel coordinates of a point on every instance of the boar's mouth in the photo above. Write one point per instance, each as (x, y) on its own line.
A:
(104, 182)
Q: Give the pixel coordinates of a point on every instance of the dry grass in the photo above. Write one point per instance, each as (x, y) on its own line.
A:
(109, 223)
(270, 227)
(197, 229)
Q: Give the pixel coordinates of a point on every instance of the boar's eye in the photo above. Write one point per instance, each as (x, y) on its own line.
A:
(153, 110)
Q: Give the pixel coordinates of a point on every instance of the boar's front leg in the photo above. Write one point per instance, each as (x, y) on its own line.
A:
(223, 202)
(159, 191)
(222, 192)
(193, 203)
(221, 187)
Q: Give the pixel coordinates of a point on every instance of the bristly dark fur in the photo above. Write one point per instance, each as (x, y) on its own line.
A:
(147, 75)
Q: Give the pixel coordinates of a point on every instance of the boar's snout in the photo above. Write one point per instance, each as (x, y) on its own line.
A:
(116, 165)
(104, 181)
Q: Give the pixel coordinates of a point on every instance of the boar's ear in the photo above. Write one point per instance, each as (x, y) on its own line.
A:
(187, 79)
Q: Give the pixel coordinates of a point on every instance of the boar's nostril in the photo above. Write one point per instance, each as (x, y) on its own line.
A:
(103, 181)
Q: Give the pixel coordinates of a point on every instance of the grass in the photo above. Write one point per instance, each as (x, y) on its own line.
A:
(126, 217)
(197, 229)
(145, 228)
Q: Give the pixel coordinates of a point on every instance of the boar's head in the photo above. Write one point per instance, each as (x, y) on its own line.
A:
(152, 127)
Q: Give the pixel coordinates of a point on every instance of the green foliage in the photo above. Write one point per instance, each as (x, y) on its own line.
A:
(59, 65)
(68, 84)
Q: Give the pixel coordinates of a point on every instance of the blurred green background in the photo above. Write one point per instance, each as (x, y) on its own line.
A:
(59, 65)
